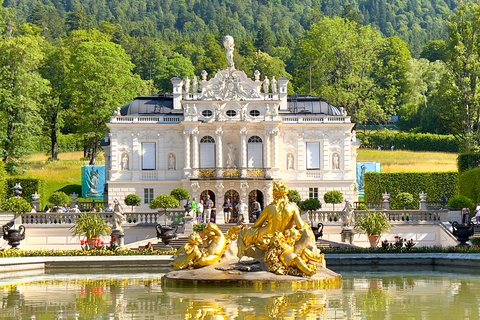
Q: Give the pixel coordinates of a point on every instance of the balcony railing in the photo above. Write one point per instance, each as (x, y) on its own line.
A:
(393, 215)
(174, 216)
(315, 119)
(146, 119)
(233, 173)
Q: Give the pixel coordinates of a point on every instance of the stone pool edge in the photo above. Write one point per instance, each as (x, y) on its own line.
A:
(471, 260)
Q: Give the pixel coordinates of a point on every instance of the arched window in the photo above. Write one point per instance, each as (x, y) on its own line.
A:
(207, 152)
(255, 152)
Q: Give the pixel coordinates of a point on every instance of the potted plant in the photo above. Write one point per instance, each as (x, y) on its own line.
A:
(373, 224)
(165, 202)
(333, 197)
(92, 227)
(310, 205)
(294, 196)
(18, 206)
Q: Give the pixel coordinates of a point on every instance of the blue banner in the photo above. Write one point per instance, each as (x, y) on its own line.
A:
(93, 182)
(362, 168)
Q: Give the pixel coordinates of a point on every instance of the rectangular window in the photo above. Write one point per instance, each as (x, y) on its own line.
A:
(207, 155)
(148, 156)
(255, 155)
(313, 193)
(147, 195)
(313, 156)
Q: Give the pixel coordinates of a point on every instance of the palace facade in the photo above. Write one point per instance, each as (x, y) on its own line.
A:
(230, 137)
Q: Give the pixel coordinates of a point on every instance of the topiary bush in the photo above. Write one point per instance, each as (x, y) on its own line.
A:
(404, 200)
(310, 205)
(16, 205)
(435, 184)
(469, 184)
(458, 202)
(333, 197)
(59, 198)
(180, 194)
(164, 201)
(294, 196)
(133, 200)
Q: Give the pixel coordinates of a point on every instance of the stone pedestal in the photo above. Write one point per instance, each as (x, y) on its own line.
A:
(188, 220)
(119, 236)
(347, 235)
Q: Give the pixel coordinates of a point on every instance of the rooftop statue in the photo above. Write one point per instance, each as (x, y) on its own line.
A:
(229, 44)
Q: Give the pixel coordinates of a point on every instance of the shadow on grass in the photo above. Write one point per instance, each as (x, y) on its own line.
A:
(71, 188)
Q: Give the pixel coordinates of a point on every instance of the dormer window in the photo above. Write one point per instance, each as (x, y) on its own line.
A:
(254, 113)
(207, 113)
(231, 113)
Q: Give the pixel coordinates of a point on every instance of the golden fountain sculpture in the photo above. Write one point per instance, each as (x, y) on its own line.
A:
(280, 238)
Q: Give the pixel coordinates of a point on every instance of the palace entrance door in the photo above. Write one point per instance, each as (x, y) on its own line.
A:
(252, 196)
(234, 199)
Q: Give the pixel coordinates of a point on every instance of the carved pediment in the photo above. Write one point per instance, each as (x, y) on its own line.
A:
(230, 86)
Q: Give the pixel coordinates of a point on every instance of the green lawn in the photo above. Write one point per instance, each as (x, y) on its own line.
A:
(64, 175)
(410, 161)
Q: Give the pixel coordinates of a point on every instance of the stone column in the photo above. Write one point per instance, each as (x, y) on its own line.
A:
(187, 149)
(275, 148)
(219, 199)
(196, 159)
(267, 151)
(219, 144)
(423, 200)
(243, 164)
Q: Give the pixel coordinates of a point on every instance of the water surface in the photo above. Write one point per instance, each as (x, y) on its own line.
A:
(368, 293)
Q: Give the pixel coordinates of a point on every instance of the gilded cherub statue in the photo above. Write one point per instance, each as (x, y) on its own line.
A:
(195, 255)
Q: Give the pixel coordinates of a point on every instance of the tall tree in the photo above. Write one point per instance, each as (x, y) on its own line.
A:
(337, 61)
(461, 83)
(100, 80)
(21, 91)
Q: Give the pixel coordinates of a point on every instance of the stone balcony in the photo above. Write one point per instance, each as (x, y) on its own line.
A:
(231, 173)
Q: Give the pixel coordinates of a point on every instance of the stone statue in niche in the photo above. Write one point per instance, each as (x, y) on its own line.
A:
(274, 85)
(266, 84)
(231, 156)
(171, 162)
(290, 161)
(125, 162)
(336, 161)
(229, 44)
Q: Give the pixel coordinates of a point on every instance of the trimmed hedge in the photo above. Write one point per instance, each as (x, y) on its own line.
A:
(3, 182)
(66, 143)
(409, 141)
(29, 185)
(435, 184)
(469, 184)
(467, 161)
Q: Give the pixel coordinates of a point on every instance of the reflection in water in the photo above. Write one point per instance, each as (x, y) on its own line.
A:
(364, 295)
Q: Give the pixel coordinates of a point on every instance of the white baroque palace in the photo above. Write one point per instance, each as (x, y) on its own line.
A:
(230, 137)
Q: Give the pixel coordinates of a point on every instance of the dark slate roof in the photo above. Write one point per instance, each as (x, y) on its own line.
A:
(163, 104)
(311, 105)
(155, 104)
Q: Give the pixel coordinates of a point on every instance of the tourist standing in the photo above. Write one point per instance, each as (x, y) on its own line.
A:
(195, 207)
(242, 209)
(200, 215)
(257, 210)
(208, 209)
(227, 211)
(465, 215)
(477, 214)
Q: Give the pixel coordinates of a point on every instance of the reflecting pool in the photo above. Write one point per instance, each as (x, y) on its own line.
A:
(389, 293)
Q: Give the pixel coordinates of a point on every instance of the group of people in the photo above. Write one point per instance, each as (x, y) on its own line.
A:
(205, 211)
(466, 215)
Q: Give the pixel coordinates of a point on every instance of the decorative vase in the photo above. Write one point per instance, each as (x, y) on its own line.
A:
(374, 239)
(166, 233)
(91, 243)
(14, 236)
(462, 232)
(317, 231)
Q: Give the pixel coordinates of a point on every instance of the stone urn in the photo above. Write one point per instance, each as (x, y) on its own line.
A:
(317, 231)
(462, 232)
(166, 233)
(14, 236)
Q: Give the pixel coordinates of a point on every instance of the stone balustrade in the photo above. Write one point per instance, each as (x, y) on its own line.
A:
(394, 216)
(315, 119)
(146, 119)
(174, 216)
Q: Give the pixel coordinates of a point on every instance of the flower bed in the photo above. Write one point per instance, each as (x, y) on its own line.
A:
(14, 253)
